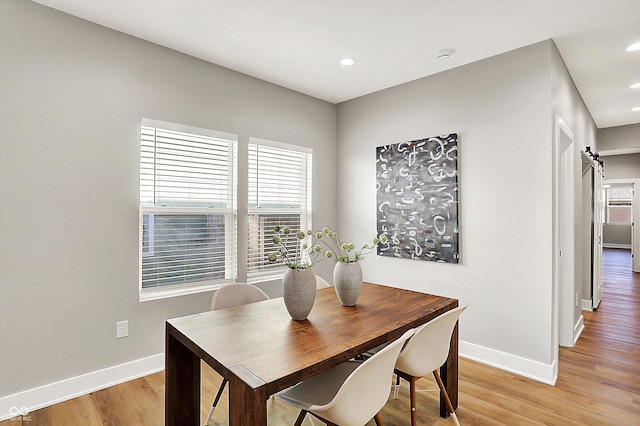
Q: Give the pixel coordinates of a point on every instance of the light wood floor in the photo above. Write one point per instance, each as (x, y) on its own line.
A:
(599, 381)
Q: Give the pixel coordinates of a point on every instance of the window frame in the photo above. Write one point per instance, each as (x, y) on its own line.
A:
(229, 212)
(304, 211)
(620, 205)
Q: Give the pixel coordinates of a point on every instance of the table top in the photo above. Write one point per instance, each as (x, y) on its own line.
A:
(261, 344)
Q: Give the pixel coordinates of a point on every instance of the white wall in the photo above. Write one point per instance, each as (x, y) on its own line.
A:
(72, 96)
(500, 107)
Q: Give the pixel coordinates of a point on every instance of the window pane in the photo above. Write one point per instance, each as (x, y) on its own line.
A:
(260, 244)
(183, 169)
(182, 249)
(278, 178)
(620, 215)
(619, 199)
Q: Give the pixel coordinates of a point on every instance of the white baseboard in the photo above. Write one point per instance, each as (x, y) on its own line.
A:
(587, 305)
(577, 329)
(53, 393)
(545, 373)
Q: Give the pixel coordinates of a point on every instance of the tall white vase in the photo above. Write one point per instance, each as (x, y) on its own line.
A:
(347, 279)
(299, 292)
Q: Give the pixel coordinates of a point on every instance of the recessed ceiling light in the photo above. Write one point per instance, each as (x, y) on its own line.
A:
(635, 109)
(635, 86)
(634, 47)
(348, 61)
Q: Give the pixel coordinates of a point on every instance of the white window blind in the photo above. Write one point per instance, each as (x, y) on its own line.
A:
(188, 232)
(279, 194)
(619, 204)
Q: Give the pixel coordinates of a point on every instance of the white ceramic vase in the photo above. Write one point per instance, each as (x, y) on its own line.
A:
(347, 279)
(299, 292)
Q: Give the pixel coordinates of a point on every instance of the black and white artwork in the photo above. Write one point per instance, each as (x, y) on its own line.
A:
(417, 199)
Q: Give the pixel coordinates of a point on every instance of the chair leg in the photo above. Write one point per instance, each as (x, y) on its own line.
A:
(412, 400)
(378, 419)
(396, 388)
(300, 418)
(447, 401)
(216, 400)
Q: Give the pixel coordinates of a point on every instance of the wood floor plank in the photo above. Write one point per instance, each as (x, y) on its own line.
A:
(77, 411)
(132, 403)
(598, 383)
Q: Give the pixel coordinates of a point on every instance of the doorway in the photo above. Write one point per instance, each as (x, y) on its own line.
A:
(566, 299)
(621, 214)
(591, 230)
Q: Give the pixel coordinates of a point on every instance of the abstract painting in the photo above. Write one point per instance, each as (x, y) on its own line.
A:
(417, 199)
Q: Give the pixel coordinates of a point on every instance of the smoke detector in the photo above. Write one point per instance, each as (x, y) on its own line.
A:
(443, 54)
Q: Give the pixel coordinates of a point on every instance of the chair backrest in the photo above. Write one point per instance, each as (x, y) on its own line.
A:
(232, 295)
(321, 283)
(428, 349)
(366, 390)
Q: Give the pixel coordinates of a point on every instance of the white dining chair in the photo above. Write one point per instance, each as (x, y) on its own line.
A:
(351, 393)
(231, 296)
(425, 353)
(321, 283)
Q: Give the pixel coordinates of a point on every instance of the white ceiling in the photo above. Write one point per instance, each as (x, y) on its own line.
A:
(297, 43)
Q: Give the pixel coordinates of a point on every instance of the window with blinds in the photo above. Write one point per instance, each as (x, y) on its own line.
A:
(188, 230)
(619, 204)
(279, 193)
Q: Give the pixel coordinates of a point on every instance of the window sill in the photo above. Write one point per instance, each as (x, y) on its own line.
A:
(156, 294)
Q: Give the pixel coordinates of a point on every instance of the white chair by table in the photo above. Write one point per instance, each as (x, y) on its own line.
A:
(321, 283)
(230, 296)
(351, 393)
(425, 353)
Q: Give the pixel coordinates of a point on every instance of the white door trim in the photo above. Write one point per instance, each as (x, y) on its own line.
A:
(563, 237)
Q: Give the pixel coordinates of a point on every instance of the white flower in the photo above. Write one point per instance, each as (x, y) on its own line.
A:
(346, 252)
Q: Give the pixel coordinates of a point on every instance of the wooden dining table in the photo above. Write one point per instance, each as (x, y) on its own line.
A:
(261, 350)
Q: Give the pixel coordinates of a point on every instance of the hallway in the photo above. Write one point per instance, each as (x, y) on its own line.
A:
(605, 362)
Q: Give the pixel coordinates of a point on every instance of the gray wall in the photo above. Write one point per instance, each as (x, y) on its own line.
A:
(504, 110)
(619, 138)
(568, 105)
(614, 235)
(500, 109)
(73, 94)
(622, 166)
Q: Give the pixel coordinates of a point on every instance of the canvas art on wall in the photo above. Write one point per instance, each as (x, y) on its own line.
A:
(417, 199)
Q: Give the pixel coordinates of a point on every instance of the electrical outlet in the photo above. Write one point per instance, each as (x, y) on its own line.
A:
(122, 329)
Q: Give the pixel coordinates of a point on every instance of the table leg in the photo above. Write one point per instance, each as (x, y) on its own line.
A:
(449, 374)
(182, 384)
(247, 398)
